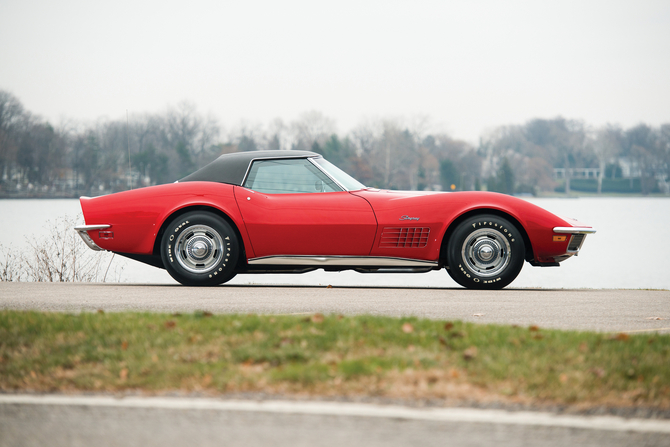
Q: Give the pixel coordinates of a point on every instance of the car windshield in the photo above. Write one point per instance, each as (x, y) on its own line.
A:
(348, 182)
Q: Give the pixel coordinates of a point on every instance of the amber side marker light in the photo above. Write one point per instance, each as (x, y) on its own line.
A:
(560, 238)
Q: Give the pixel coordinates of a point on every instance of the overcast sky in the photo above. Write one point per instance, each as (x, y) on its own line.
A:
(468, 65)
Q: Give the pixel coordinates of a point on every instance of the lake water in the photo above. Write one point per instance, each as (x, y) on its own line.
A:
(630, 250)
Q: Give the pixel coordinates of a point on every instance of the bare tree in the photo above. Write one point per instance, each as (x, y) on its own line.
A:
(606, 147)
(563, 141)
(278, 135)
(248, 136)
(312, 128)
(12, 116)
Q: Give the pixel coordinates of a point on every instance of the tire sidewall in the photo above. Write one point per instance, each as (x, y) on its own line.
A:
(217, 274)
(459, 270)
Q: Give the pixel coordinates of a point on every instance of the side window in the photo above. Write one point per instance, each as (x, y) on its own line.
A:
(288, 177)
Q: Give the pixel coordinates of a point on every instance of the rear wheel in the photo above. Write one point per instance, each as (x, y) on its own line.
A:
(485, 252)
(199, 249)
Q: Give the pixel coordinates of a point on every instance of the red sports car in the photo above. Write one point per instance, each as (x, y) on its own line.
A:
(293, 212)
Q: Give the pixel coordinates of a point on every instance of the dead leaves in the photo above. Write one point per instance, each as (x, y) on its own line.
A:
(535, 330)
(448, 327)
(206, 380)
(598, 372)
(317, 318)
(470, 353)
(621, 336)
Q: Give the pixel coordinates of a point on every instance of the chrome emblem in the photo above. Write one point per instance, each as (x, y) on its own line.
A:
(406, 217)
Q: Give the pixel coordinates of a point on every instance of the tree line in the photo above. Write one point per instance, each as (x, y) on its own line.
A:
(38, 158)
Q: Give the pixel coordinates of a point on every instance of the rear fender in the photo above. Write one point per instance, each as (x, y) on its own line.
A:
(137, 217)
(241, 235)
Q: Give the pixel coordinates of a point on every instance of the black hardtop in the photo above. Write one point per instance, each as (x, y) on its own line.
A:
(231, 168)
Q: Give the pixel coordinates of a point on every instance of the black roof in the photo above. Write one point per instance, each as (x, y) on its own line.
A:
(231, 168)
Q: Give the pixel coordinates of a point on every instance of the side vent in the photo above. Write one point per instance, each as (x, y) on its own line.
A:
(403, 237)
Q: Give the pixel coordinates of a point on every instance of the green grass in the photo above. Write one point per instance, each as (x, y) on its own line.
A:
(332, 355)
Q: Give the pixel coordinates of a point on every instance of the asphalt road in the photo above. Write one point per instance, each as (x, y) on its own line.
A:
(582, 309)
(106, 421)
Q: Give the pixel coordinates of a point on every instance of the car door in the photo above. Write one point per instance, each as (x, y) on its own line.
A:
(290, 207)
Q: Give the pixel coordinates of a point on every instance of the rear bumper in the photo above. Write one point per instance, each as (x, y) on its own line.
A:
(83, 232)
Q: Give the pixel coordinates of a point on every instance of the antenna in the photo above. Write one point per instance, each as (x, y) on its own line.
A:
(130, 172)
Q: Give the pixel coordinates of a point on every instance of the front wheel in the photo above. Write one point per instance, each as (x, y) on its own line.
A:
(485, 252)
(199, 249)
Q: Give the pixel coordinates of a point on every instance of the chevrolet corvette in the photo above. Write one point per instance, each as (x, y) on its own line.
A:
(294, 212)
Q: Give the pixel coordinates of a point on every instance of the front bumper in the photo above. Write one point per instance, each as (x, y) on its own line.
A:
(577, 237)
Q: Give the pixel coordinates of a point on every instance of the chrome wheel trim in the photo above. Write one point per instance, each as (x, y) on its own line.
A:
(199, 249)
(486, 252)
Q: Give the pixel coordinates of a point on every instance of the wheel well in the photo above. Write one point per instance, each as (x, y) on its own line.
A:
(157, 243)
(447, 235)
